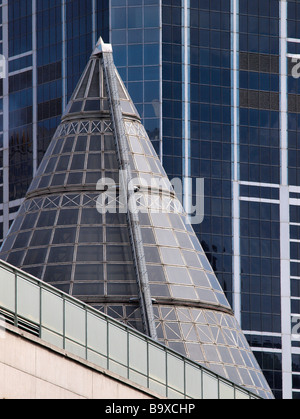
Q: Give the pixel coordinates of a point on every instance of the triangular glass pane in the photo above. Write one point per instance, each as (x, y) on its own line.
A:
(94, 90)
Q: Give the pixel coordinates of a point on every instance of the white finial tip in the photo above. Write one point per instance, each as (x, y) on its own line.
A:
(102, 47)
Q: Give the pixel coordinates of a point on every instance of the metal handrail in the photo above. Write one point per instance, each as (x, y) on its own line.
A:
(106, 358)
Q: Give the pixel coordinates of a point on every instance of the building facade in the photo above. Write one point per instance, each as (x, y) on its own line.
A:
(216, 84)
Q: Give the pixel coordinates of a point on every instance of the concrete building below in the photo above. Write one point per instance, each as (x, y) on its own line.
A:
(30, 368)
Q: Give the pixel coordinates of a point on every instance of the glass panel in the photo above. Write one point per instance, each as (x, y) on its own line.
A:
(57, 273)
(96, 359)
(52, 338)
(61, 254)
(199, 278)
(69, 143)
(95, 143)
(118, 369)
(92, 105)
(91, 216)
(68, 217)
(64, 235)
(90, 253)
(135, 145)
(7, 289)
(151, 255)
(148, 236)
(193, 382)
(109, 143)
(93, 177)
(95, 272)
(210, 387)
(22, 240)
(81, 144)
(174, 394)
(160, 220)
(110, 161)
(63, 164)
(119, 253)
(142, 164)
(114, 219)
(51, 164)
(207, 296)
(117, 235)
(58, 180)
(45, 180)
(214, 282)
(15, 258)
(153, 165)
(76, 107)
(75, 323)
(191, 259)
(176, 221)
(158, 388)
(120, 272)
(165, 237)
(222, 299)
(146, 148)
(35, 256)
(240, 395)
(138, 354)
(226, 391)
(156, 273)
(159, 290)
(122, 289)
(46, 218)
(184, 240)
(7, 245)
(97, 334)
(41, 237)
(75, 349)
(94, 162)
(75, 178)
(52, 311)
(157, 364)
(28, 300)
(88, 288)
(117, 344)
(78, 162)
(138, 378)
(175, 373)
(29, 221)
(144, 219)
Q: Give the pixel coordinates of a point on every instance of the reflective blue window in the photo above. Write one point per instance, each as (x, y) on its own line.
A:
(135, 55)
(118, 18)
(121, 56)
(151, 54)
(151, 17)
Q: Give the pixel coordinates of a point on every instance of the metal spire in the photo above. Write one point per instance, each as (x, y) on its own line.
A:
(123, 156)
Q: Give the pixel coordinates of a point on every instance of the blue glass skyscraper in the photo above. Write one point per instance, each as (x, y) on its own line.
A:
(216, 84)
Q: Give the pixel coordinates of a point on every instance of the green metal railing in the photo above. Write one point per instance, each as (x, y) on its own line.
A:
(67, 323)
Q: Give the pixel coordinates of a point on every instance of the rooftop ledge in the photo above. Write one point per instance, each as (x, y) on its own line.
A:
(73, 327)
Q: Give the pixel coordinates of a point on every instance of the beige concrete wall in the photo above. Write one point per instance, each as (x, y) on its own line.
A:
(30, 369)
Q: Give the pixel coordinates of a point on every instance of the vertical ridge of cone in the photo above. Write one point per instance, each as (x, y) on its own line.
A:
(69, 234)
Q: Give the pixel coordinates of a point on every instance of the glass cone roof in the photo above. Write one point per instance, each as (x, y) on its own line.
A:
(69, 234)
